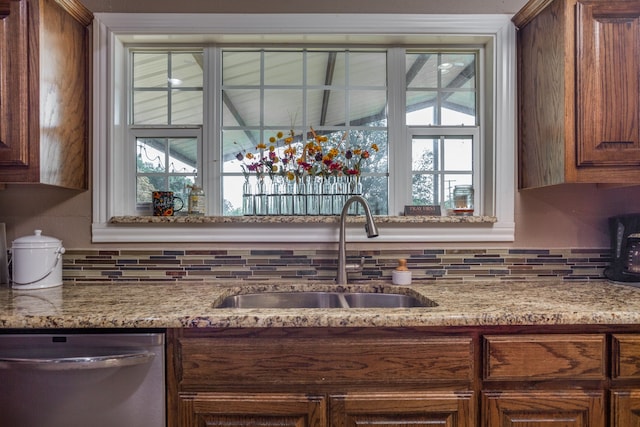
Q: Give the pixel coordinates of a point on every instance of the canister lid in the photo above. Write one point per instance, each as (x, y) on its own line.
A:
(37, 240)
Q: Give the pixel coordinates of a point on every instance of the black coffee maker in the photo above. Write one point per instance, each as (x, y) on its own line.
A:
(625, 248)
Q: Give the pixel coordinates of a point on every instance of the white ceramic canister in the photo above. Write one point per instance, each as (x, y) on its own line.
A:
(37, 262)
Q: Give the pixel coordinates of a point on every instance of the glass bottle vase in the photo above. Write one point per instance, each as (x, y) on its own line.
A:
(260, 198)
(286, 198)
(300, 198)
(326, 195)
(247, 198)
(313, 191)
(340, 191)
(273, 197)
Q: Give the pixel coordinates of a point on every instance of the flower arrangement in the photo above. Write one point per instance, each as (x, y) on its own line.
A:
(316, 155)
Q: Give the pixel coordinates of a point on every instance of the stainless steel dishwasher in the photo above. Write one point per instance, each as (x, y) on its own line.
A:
(73, 380)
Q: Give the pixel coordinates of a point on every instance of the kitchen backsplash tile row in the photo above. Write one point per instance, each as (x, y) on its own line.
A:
(252, 265)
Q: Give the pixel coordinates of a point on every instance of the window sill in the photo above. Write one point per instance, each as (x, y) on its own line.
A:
(300, 229)
(334, 219)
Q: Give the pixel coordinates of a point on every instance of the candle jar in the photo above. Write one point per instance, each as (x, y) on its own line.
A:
(463, 200)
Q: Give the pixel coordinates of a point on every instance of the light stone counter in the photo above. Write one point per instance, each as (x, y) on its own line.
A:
(482, 303)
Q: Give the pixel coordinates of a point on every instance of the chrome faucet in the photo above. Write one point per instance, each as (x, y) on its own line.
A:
(370, 228)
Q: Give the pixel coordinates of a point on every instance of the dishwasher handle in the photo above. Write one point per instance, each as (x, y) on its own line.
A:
(77, 363)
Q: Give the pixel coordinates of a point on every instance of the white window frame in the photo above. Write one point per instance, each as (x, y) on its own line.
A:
(112, 29)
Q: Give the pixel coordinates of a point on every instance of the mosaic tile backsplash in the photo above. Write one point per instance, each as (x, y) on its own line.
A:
(250, 265)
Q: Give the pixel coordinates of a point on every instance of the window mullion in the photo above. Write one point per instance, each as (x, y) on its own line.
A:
(398, 138)
(211, 166)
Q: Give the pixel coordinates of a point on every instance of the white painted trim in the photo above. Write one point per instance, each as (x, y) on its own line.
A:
(405, 24)
(295, 233)
(109, 26)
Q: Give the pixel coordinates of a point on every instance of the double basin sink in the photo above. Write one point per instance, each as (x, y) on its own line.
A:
(324, 299)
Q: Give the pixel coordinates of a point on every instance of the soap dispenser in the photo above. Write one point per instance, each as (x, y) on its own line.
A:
(401, 275)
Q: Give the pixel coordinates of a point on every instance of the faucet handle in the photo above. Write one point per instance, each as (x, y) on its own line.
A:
(356, 267)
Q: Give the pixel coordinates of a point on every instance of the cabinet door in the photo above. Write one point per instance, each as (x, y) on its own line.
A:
(608, 88)
(557, 408)
(246, 409)
(442, 408)
(14, 135)
(625, 408)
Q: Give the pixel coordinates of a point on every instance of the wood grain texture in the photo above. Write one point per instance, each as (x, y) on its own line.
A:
(529, 11)
(626, 356)
(44, 75)
(545, 357)
(542, 99)
(566, 408)
(317, 361)
(578, 93)
(14, 111)
(63, 98)
(608, 92)
(625, 408)
(429, 408)
(247, 409)
(522, 377)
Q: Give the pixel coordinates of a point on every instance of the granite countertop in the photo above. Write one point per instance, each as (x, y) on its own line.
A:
(171, 305)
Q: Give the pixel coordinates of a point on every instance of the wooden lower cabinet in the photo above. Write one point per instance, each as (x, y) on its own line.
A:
(252, 409)
(379, 377)
(427, 409)
(572, 408)
(436, 408)
(625, 408)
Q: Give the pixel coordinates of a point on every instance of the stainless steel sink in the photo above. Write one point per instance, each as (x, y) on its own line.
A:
(283, 300)
(371, 300)
(319, 299)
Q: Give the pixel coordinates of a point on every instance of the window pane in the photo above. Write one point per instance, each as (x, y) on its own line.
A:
(441, 89)
(458, 70)
(232, 195)
(151, 155)
(423, 190)
(368, 69)
(457, 179)
(281, 107)
(186, 70)
(186, 108)
(326, 107)
(376, 190)
(421, 108)
(165, 164)
(283, 68)
(451, 180)
(240, 68)
(326, 68)
(422, 70)
(150, 108)
(237, 142)
(458, 108)
(376, 146)
(368, 107)
(458, 154)
(183, 155)
(241, 107)
(150, 69)
(146, 185)
(424, 154)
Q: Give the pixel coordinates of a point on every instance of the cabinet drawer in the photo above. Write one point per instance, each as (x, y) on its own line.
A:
(221, 363)
(544, 357)
(626, 356)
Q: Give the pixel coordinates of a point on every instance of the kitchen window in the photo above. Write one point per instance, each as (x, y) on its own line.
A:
(193, 104)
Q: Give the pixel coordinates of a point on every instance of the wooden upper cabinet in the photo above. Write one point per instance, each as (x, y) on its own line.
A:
(44, 92)
(578, 92)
